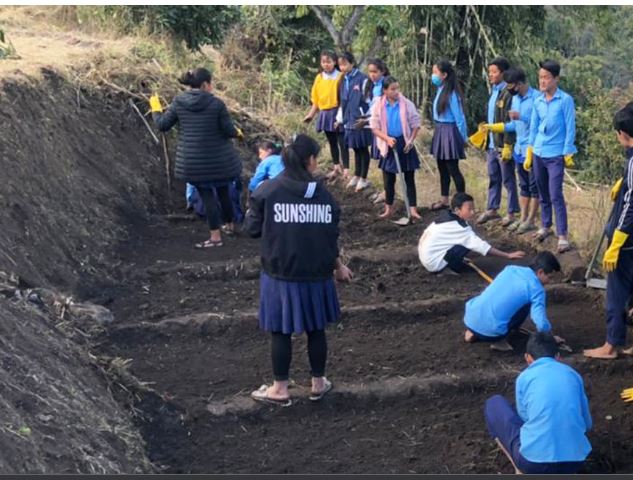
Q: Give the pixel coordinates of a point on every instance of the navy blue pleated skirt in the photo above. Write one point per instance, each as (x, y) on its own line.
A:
(375, 152)
(358, 138)
(408, 161)
(447, 143)
(325, 121)
(297, 307)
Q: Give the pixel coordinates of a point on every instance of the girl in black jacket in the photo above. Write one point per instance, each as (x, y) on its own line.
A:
(297, 219)
(205, 156)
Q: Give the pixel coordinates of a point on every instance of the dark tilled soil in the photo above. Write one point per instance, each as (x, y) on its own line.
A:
(188, 321)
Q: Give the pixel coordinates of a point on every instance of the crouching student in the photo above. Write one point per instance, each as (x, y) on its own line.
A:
(505, 304)
(270, 166)
(297, 220)
(395, 123)
(547, 432)
(447, 241)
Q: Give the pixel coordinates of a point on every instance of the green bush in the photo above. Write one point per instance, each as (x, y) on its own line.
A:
(7, 49)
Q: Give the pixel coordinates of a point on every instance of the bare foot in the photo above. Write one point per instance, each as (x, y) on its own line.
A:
(389, 210)
(501, 346)
(605, 352)
(415, 214)
(469, 337)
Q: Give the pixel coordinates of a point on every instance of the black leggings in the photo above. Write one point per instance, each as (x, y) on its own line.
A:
(448, 169)
(337, 142)
(211, 205)
(361, 164)
(282, 354)
(389, 179)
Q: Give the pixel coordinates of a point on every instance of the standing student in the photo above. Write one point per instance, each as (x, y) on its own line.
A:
(618, 259)
(447, 241)
(205, 156)
(297, 220)
(395, 123)
(270, 166)
(547, 432)
(377, 71)
(520, 115)
(505, 304)
(325, 102)
(354, 107)
(501, 167)
(449, 137)
(551, 149)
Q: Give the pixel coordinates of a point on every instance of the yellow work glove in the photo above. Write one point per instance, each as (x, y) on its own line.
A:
(506, 153)
(154, 104)
(479, 138)
(527, 165)
(616, 189)
(495, 127)
(610, 259)
(240, 133)
(569, 161)
(627, 395)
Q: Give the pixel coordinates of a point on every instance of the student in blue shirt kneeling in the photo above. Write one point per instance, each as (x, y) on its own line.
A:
(505, 304)
(547, 432)
(270, 166)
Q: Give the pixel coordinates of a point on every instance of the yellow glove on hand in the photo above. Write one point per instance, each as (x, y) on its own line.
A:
(610, 259)
(240, 133)
(527, 165)
(569, 161)
(479, 138)
(495, 127)
(627, 395)
(616, 189)
(154, 104)
(506, 153)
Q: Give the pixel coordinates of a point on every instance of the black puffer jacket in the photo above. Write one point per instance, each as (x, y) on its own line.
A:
(205, 152)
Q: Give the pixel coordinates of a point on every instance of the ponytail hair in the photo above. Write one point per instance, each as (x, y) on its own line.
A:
(296, 157)
(195, 78)
(382, 67)
(272, 147)
(450, 85)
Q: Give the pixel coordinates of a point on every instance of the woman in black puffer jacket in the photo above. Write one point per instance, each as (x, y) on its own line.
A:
(205, 156)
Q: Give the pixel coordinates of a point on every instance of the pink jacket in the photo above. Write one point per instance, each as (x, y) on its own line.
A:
(408, 116)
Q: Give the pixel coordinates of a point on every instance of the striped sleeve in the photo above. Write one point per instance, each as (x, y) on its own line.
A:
(625, 222)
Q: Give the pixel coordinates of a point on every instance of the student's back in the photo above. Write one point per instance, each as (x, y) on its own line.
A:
(551, 400)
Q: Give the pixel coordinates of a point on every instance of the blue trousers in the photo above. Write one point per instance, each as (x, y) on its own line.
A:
(527, 183)
(515, 322)
(504, 423)
(619, 288)
(501, 172)
(549, 174)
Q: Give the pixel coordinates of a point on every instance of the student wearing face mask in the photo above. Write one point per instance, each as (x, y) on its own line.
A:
(449, 134)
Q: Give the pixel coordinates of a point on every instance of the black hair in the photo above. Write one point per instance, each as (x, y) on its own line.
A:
(545, 261)
(387, 82)
(551, 66)
(380, 65)
(542, 344)
(296, 156)
(349, 57)
(623, 119)
(275, 148)
(459, 199)
(515, 75)
(501, 63)
(195, 78)
(330, 54)
(450, 85)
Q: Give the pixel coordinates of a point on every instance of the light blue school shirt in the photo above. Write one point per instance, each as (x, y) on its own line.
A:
(492, 103)
(268, 168)
(551, 400)
(376, 92)
(394, 124)
(524, 106)
(453, 114)
(490, 313)
(553, 125)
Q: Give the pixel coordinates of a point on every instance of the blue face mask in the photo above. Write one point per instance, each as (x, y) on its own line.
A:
(436, 80)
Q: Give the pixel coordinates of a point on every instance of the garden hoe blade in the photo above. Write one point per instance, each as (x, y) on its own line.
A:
(404, 221)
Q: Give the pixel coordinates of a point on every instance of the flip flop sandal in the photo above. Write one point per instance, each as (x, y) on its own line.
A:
(507, 221)
(227, 231)
(315, 397)
(208, 244)
(486, 217)
(525, 227)
(261, 395)
(563, 246)
(514, 226)
(542, 234)
(437, 206)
